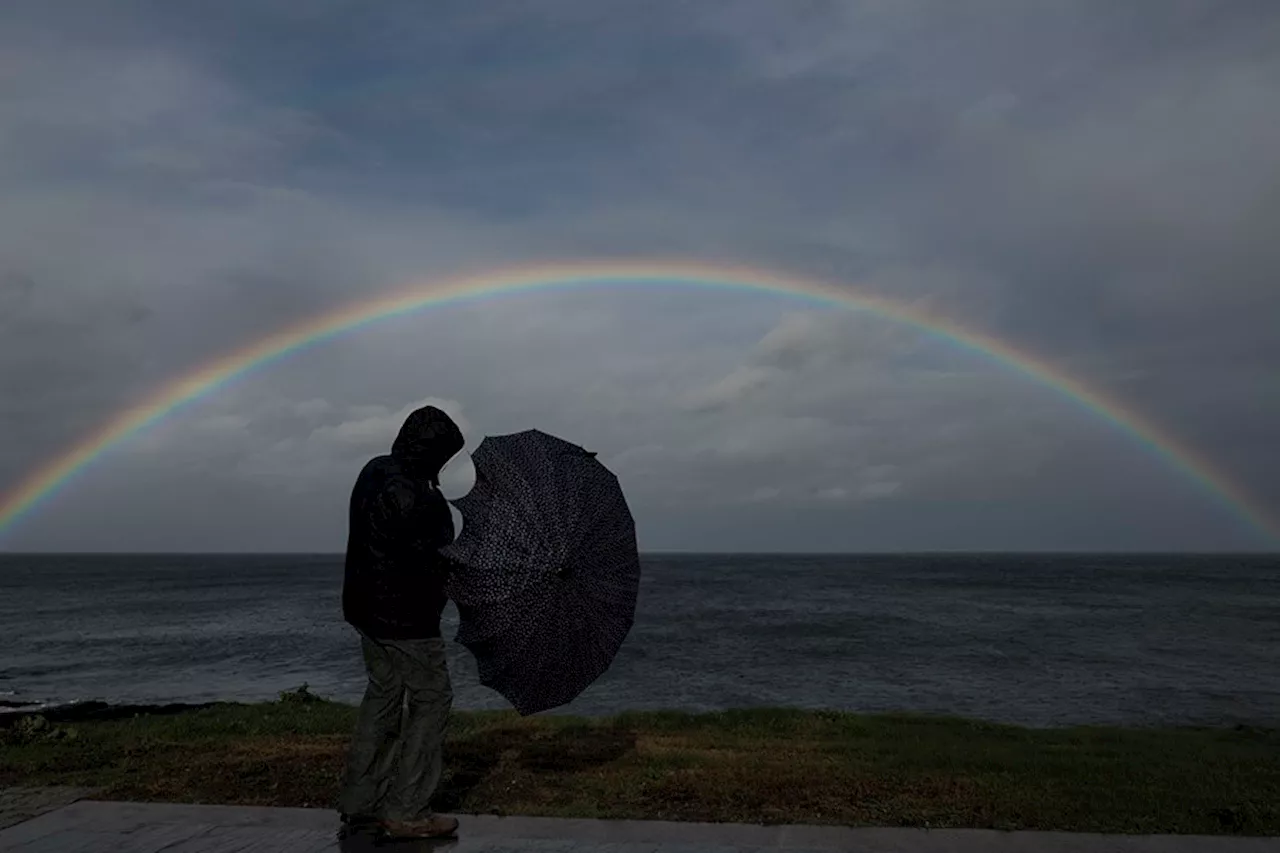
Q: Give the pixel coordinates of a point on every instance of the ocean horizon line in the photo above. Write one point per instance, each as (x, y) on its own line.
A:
(657, 552)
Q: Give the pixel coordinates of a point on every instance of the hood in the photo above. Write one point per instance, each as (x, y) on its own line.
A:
(428, 439)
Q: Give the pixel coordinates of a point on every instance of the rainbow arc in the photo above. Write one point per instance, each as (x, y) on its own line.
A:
(45, 481)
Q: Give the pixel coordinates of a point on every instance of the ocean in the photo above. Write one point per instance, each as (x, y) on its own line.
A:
(1033, 639)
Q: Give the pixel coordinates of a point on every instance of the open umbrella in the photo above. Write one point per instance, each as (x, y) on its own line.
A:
(547, 568)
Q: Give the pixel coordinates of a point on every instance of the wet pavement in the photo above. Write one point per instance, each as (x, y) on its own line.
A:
(87, 826)
(19, 804)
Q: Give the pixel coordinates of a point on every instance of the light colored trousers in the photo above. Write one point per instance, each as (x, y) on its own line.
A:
(395, 761)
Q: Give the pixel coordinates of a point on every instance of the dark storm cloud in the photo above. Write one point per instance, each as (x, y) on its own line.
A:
(1095, 182)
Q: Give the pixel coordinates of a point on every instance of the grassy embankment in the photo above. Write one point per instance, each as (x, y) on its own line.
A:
(762, 766)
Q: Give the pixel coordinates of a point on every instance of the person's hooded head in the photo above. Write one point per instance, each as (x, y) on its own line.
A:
(428, 439)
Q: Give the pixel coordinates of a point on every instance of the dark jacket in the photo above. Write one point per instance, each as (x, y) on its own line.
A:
(393, 584)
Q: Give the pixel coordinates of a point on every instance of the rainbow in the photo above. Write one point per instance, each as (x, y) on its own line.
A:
(42, 483)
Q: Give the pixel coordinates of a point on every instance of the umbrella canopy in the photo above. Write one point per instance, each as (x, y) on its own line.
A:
(547, 568)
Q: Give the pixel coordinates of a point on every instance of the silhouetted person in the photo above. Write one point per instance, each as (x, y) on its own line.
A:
(393, 595)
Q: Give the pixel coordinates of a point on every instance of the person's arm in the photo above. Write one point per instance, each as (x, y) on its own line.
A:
(430, 528)
(435, 522)
(413, 521)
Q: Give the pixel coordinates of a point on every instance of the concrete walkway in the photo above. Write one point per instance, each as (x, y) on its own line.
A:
(19, 804)
(87, 826)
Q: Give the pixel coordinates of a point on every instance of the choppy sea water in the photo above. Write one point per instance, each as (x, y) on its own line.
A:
(1038, 640)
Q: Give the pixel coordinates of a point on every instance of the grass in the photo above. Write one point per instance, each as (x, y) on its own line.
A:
(761, 766)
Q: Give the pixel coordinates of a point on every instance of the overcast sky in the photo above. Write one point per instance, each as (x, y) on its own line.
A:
(1096, 182)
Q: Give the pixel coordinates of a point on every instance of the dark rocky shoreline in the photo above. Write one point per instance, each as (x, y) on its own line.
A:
(72, 712)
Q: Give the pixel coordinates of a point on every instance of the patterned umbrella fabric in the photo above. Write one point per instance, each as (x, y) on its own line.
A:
(547, 569)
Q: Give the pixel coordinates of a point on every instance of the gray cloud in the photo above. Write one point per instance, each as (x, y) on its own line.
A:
(1092, 182)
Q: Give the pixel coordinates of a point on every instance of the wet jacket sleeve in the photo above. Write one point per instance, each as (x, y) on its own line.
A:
(416, 522)
(433, 522)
